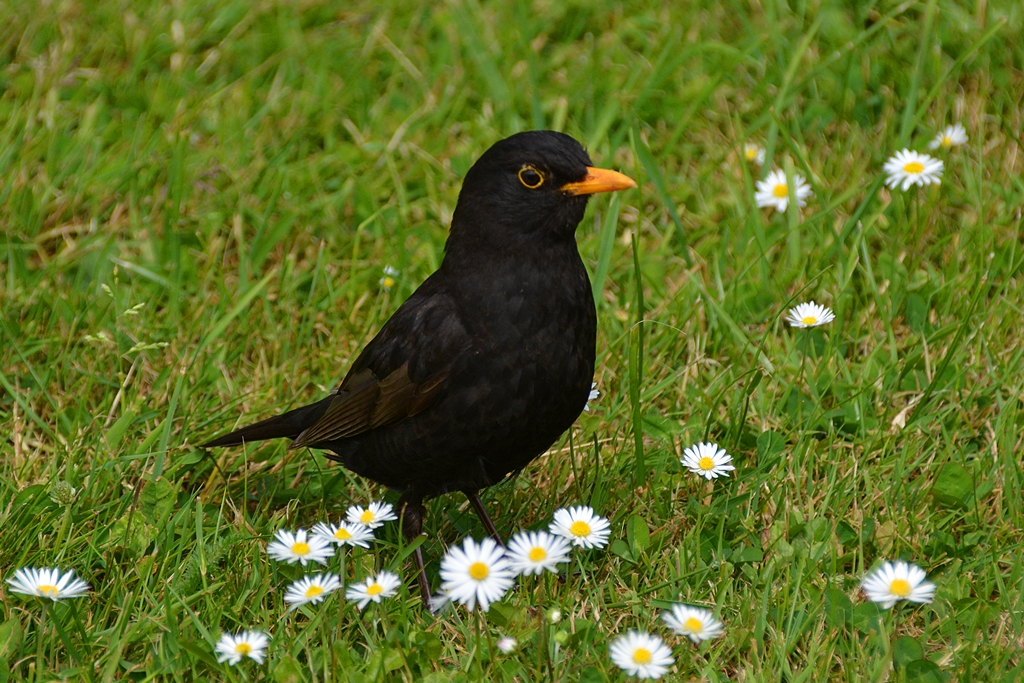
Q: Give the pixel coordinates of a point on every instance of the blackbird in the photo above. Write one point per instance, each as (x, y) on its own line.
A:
(490, 360)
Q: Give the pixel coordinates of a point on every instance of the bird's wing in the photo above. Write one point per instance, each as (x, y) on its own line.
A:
(401, 372)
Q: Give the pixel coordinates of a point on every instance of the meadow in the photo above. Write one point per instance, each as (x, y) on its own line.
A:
(198, 201)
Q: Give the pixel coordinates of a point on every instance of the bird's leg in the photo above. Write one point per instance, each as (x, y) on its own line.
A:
(411, 510)
(481, 512)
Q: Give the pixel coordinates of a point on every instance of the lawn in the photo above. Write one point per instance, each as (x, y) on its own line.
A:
(198, 201)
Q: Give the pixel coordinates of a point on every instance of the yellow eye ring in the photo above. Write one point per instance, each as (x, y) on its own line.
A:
(530, 177)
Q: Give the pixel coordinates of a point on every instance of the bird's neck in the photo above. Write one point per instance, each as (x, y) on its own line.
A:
(519, 255)
(472, 248)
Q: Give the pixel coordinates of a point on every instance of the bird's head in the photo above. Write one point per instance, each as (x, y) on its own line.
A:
(530, 187)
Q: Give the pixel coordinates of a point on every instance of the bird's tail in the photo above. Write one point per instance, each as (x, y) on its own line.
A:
(286, 426)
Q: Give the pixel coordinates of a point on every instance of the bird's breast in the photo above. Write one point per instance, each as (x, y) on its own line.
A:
(534, 332)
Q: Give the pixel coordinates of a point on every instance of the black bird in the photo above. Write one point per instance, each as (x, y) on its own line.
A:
(491, 359)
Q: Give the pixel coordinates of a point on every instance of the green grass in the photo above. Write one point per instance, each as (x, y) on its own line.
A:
(195, 217)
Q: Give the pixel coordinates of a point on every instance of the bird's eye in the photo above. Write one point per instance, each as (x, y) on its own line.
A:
(531, 177)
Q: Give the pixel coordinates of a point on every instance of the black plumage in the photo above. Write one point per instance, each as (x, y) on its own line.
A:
(491, 359)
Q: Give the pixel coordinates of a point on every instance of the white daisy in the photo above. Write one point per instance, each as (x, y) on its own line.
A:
(810, 315)
(246, 644)
(753, 153)
(695, 623)
(388, 281)
(642, 655)
(531, 552)
(476, 573)
(773, 190)
(345, 533)
(581, 526)
(311, 590)
(48, 583)
(373, 515)
(594, 393)
(951, 136)
(374, 588)
(707, 460)
(507, 644)
(299, 547)
(554, 615)
(895, 581)
(233, 648)
(912, 168)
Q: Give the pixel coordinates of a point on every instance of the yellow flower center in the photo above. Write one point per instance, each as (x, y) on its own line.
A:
(366, 517)
(479, 571)
(706, 463)
(47, 590)
(694, 625)
(913, 167)
(751, 153)
(780, 191)
(374, 589)
(537, 554)
(900, 587)
(642, 655)
(947, 141)
(388, 282)
(579, 528)
(300, 548)
(314, 591)
(243, 648)
(342, 534)
(809, 320)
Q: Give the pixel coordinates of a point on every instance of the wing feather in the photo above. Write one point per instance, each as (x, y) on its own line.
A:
(402, 372)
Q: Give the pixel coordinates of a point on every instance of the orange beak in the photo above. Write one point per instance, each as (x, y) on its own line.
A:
(599, 180)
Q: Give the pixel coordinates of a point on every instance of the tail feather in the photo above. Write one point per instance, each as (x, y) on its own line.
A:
(286, 426)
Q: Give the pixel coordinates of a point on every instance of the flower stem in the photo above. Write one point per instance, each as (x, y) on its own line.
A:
(543, 655)
(803, 372)
(39, 639)
(63, 530)
(474, 652)
(917, 216)
(342, 552)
